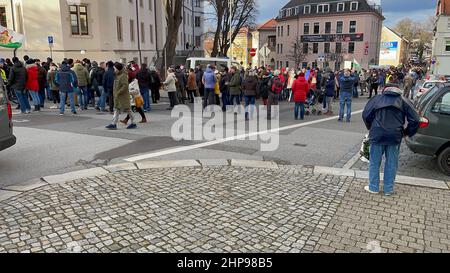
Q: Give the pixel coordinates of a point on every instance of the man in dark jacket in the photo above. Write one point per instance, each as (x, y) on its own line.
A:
(96, 75)
(145, 80)
(65, 79)
(181, 83)
(108, 84)
(17, 81)
(155, 84)
(346, 83)
(224, 86)
(385, 116)
(42, 79)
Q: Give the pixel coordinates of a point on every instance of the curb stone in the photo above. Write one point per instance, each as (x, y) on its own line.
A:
(11, 191)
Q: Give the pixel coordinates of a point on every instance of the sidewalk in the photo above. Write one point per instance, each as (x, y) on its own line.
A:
(220, 206)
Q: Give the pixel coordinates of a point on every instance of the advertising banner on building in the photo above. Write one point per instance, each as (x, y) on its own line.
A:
(388, 50)
(357, 37)
(10, 38)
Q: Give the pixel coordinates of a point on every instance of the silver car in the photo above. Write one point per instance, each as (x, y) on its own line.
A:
(7, 139)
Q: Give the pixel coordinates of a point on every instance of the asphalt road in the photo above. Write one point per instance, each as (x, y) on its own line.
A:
(49, 144)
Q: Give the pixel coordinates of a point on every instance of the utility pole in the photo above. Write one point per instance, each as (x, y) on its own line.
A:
(231, 3)
(138, 33)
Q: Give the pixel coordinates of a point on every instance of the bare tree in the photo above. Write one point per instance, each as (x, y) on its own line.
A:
(418, 33)
(173, 9)
(298, 54)
(242, 14)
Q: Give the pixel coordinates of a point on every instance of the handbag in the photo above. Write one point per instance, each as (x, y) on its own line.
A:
(139, 101)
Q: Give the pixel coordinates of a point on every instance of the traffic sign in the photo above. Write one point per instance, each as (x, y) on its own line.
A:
(50, 40)
(253, 52)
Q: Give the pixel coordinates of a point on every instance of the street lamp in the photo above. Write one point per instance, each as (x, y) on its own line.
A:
(83, 52)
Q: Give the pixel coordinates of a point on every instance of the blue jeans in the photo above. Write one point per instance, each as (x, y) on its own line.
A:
(300, 106)
(225, 100)
(62, 106)
(36, 98)
(22, 97)
(235, 98)
(145, 93)
(209, 97)
(391, 153)
(346, 100)
(83, 96)
(102, 100)
(41, 97)
(249, 104)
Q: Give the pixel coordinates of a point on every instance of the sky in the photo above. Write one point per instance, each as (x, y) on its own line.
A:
(393, 10)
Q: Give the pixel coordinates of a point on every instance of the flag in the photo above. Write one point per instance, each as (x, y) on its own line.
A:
(10, 38)
(356, 65)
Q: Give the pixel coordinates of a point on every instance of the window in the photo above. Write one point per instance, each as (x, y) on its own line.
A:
(315, 48)
(352, 28)
(197, 21)
(341, 7)
(327, 27)
(278, 49)
(327, 47)
(305, 48)
(351, 47)
(288, 30)
(282, 31)
(198, 41)
(447, 45)
(151, 34)
(150, 5)
(306, 28)
(197, 3)
(79, 20)
(119, 28)
(141, 3)
(297, 10)
(287, 63)
(338, 48)
(142, 32)
(281, 48)
(3, 20)
(442, 106)
(316, 28)
(323, 8)
(132, 30)
(307, 9)
(339, 27)
(354, 6)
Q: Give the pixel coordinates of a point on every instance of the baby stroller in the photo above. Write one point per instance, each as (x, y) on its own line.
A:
(312, 101)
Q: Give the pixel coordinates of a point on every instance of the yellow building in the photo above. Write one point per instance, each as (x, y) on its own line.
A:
(241, 47)
(394, 48)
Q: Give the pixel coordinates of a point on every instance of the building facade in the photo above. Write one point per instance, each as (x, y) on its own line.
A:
(331, 33)
(440, 64)
(120, 30)
(266, 43)
(394, 49)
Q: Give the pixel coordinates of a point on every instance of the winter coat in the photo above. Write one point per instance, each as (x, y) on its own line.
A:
(300, 89)
(65, 79)
(18, 76)
(235, 84)
(42, 77)
(209, 79)
(250, 86)
(385, 116)
(181, 78)
(51, 79)
(192, 82)
(32, 78)
(170, 83)
(96, 76)
(155, 81)
(108, 79)
(121, 92)
(82, 75)
(346, 84)
(144, 78)
(264, 87)
(224, 84)
(330, 85)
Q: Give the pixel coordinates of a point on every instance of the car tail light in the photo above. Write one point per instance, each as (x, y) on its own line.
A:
(424, 122)
(9, 111)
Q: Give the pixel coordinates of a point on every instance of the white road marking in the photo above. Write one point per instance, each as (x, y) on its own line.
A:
(223, 140)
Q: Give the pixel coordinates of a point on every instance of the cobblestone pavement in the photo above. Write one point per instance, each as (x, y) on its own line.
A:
(414, 165)
(222, 209)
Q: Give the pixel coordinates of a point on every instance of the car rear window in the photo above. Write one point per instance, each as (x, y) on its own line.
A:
(423, 101)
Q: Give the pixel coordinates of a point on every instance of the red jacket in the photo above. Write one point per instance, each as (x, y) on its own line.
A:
(32, 81)
(300, 89)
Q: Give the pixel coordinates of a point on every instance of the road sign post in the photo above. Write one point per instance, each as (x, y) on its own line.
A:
(50, 45)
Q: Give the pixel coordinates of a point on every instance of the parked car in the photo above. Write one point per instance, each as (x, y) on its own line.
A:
(433, 138)
(7, 139)
(426, 86)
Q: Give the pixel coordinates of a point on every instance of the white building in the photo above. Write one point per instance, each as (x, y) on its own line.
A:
(98, 29)
(441, 41)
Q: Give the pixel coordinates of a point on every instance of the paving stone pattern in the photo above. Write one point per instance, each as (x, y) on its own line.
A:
(413, 165)
(222, 209)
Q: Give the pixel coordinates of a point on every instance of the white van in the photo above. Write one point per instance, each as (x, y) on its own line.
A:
(219, 63)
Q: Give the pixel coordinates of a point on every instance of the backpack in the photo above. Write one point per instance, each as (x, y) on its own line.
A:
(277, 85)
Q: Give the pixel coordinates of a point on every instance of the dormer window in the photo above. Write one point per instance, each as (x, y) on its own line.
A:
(341, 7)
(307, 9)
(323, 8)
(296, 10)
(354, 6)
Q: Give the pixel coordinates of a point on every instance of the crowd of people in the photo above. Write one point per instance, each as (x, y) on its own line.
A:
(116, 88)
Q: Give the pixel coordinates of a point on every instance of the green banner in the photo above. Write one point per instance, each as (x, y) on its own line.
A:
(10, 38)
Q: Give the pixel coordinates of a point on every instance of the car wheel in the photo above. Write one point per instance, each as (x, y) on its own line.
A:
(444, 161)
